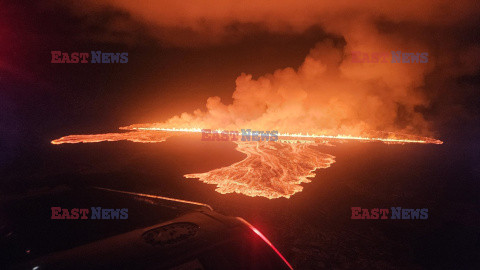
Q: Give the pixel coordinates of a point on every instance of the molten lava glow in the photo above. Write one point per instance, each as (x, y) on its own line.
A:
(270, 169)
(389, 138)
(134, 136)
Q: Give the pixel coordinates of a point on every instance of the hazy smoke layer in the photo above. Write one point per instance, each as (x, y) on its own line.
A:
(207, 21)
(328, 93)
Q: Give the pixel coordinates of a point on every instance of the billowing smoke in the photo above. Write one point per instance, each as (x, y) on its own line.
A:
(193, 22)
(328, 93)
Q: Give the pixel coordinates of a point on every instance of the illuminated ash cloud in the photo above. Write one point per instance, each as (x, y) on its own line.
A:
(203, 22)
(327, 94)
(271, 169)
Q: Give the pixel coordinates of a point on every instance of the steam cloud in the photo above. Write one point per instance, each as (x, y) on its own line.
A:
(328, 93)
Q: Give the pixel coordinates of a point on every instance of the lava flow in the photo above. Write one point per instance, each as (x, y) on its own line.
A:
(133, 136)
(388, 137)
(271, 169)
(327, 99)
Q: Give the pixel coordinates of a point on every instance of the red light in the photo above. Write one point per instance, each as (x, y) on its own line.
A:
(256, 231)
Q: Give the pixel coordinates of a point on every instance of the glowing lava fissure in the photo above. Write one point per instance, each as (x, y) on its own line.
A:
(271, 169)
(389, 137)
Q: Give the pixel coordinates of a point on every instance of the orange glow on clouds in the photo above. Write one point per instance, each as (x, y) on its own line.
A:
(326, 99)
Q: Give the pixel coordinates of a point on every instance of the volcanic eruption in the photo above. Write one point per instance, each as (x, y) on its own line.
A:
(328, 99)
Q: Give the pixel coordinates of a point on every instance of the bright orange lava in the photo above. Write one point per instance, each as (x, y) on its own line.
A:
(271, 169)
(134, 136)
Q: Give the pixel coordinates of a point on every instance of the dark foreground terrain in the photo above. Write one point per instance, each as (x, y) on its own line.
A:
(313, 229)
